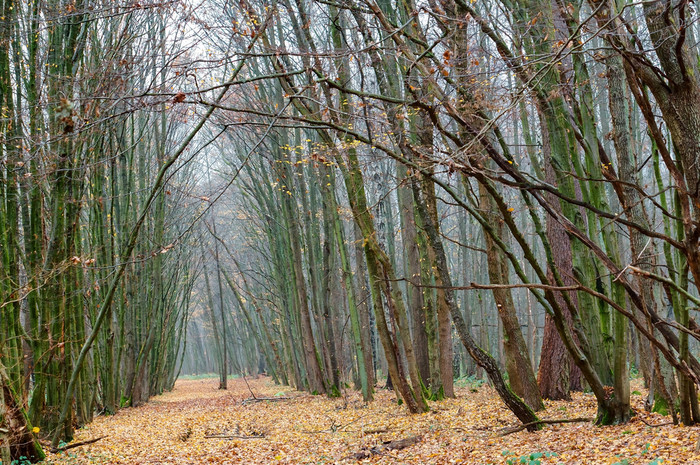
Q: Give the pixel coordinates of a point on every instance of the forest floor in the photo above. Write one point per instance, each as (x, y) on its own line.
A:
(299, 428)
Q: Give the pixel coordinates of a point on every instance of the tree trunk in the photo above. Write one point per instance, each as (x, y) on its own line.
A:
(412, 271)
(520, 373)
(444, 327)
(516, 405)
(557, 376)
(15, 430)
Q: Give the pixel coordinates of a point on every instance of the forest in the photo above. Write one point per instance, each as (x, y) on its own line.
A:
(381, 204)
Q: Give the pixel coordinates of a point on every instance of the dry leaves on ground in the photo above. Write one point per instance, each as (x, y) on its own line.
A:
(197, 423)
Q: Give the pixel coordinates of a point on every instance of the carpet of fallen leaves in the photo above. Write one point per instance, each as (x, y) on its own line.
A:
(300, 428)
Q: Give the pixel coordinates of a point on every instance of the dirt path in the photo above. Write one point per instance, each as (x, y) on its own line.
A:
(172, 429)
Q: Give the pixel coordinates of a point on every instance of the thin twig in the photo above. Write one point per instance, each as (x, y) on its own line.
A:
(251, 391)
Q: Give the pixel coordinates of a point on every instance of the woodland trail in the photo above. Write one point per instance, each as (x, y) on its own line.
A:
(304, 429)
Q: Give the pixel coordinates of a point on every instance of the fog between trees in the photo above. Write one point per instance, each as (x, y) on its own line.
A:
(337, 192)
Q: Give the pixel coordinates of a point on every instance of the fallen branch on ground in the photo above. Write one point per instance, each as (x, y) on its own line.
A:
(233, 436)
(77, 444)
(515, 429)
(655, 425)
(251, 391)
(396, 444)
(255, 398)
(251, 400)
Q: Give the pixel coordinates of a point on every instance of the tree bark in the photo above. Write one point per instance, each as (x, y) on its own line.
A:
(19, 439)
(520, 373)
(516, 405)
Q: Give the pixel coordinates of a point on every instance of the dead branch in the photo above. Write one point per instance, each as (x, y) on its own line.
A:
(515, 429)
(655, 425)
(251, 391)
(233, 436)
(252, 400)
(396, 444)
(77, 444)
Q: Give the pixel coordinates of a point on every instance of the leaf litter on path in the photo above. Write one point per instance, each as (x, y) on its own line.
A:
(177, 428)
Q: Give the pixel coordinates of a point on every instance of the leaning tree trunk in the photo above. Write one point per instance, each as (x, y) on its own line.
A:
(520, 373)
(516, 405)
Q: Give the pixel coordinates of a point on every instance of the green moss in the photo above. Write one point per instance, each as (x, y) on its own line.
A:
(437, 395)
(334, 391)
(660, 405)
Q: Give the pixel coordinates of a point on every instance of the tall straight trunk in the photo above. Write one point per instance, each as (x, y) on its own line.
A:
(10, 331)
(630, 200)
(360, 344)
(383, 286)
(330, 238)
(428, 314)
(580, 161)
(466, 308)
(223, 379)
(661, 383)
(367, 322)
(444, 326)
(214, 325)
(557, 375)
(316, 262)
